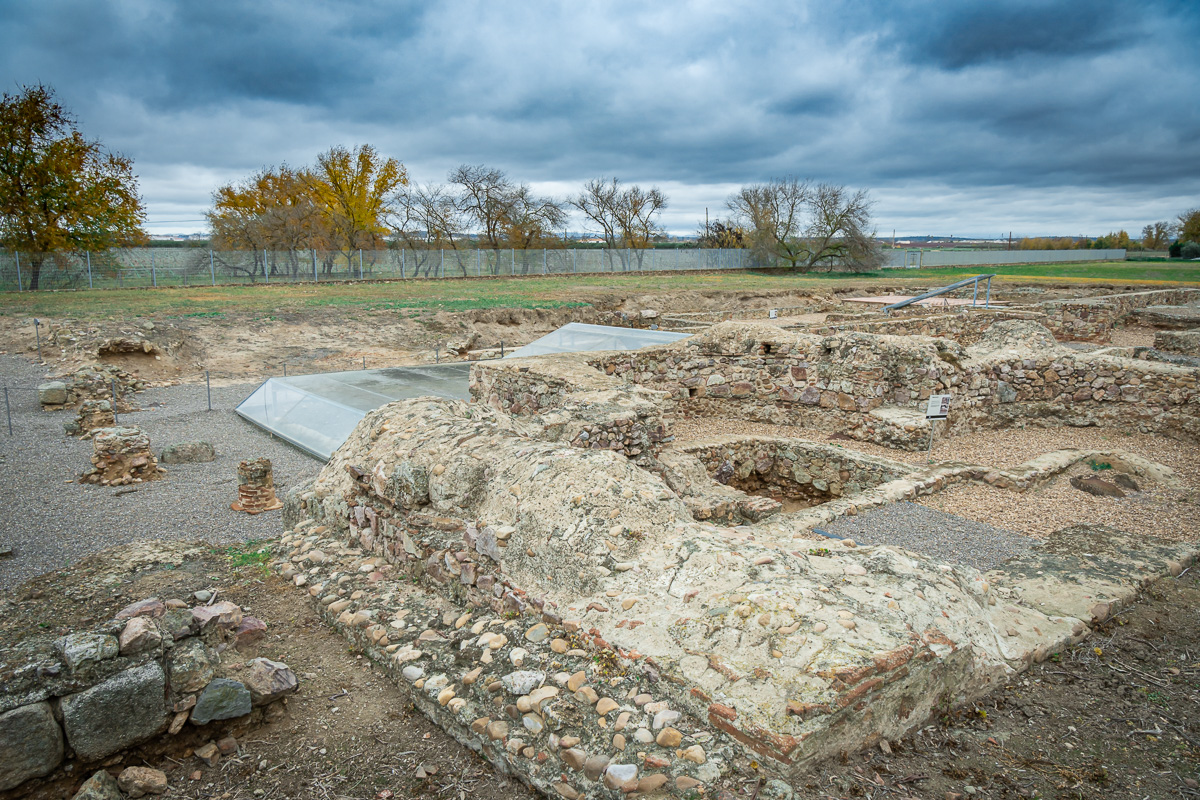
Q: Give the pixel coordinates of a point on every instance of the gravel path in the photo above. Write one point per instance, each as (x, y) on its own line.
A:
(946, 537)
(50, 521)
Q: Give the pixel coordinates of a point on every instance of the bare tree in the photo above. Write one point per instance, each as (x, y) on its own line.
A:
(427, 218)
(485, 197)
(805, 225)
(627, 217)
(529, 220)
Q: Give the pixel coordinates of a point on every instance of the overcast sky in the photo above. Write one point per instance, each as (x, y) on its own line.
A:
(960, 118)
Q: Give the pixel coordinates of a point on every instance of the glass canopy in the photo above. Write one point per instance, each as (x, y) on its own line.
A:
(318, 412)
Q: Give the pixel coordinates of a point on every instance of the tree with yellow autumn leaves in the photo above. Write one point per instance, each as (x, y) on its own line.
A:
(60, 192)
(338, 206)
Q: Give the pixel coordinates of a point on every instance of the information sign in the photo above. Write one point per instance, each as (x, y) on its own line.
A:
(939, 406)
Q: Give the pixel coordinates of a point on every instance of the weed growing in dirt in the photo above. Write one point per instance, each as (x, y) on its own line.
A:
(247, 554)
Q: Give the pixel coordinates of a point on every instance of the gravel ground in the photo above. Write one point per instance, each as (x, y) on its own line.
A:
(947, 537)
(50, 521)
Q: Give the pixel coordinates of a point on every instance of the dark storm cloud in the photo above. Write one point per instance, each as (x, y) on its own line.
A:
(975, 103)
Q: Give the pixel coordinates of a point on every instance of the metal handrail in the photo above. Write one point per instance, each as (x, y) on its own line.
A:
(956, 285)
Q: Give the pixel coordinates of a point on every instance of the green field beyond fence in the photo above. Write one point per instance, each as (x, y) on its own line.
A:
(552, 291)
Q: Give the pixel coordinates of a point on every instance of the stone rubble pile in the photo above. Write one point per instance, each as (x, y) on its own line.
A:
(121, 456)
(93, 382)
(154, 668)
(92, 414)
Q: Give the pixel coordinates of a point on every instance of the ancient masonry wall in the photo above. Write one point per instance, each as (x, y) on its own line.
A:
(964, 327)
(1092, 319)
(852, 380)
(570, 621)
(153, 668)
(792, 469)
(1184, 342)
(574, 403)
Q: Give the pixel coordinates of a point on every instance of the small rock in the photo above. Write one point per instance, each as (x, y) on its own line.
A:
(101, 786)
(1096, 486)
(695, 754)
(574, 758)
(188, 452)
(140, 635)
(616, 776)
(605, 705)
(224, 614)
(141, 781)
(222, 699)
(209, 754)
(538, 633)
(594, 766)
(151, 607)
(668, 737)
(249, 631)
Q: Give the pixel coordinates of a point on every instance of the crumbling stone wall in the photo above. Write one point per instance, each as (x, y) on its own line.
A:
(92, 414)
(965, 326)
(567, 400)
(150, 670)
(1184, 342)
(568, 612)
(873, 386)
(1092, 319)
(793, 469)
(93, 382)
(121, 456)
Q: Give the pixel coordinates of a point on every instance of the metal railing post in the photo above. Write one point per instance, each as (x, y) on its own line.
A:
(266, 271)
(987, 302)
(514, 261)
(574, 266)
(543, 261)
(441, 262)
(314, 255)
(212, 267)
(208, 388)
(153, 270)
(975, 293)
(17, 253)
(402, 262)
(88, 253)
(360, 263)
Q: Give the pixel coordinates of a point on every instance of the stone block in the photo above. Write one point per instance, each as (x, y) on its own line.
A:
(221, 699)
(193, 665)
(53, 393)
(269, 680)
(198, 451)
(124, 710)
(31, 744)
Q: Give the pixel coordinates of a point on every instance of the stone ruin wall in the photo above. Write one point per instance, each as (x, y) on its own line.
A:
(92, 695)
(1092, 319)
(557, 609)
(1183, 342)
(793, 469)
(849, 382)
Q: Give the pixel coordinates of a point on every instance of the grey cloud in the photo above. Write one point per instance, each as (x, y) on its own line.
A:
(697, 96)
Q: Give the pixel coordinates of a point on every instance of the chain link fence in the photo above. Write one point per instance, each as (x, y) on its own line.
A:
(188, 266)
(155, 267)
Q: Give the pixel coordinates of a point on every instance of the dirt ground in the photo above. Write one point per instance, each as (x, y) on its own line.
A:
(1115, 717)
(239, 344)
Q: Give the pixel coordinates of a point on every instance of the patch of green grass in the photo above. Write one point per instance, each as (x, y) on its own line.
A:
(247, 554)
(1099, 465)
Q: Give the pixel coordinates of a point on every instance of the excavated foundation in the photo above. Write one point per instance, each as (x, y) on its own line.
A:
(599, 611)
